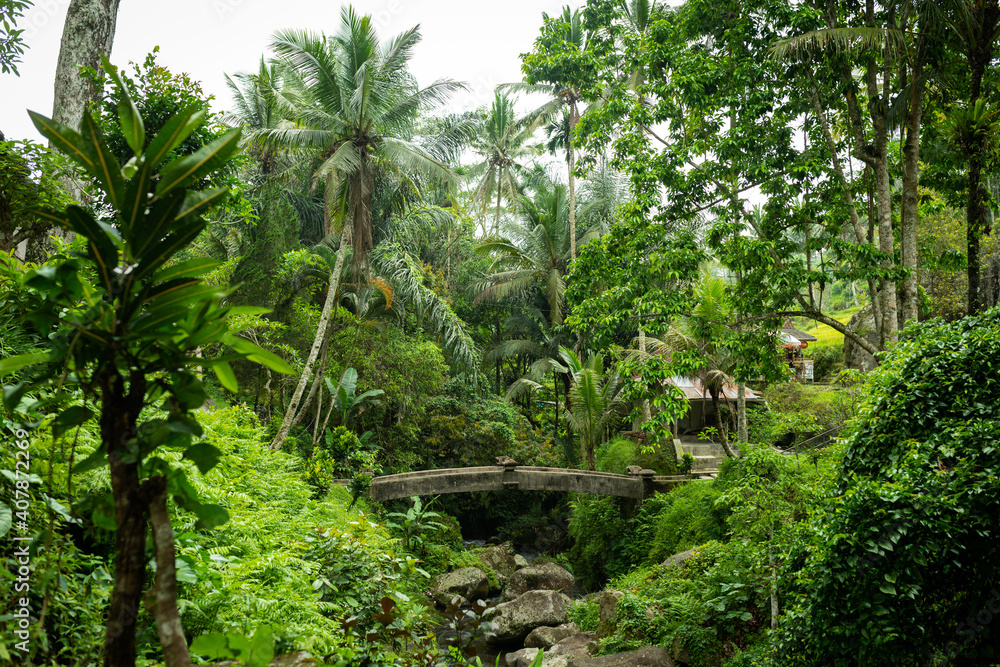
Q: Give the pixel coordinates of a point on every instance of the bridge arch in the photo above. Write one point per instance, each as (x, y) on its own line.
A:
(637, 486)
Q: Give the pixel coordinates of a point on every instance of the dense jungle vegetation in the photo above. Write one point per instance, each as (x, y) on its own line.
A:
(211, 320)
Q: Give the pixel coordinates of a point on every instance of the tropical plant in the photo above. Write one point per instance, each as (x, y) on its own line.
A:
(354, 104)
(594, 399)
(533, 253)
(414, 522)
(503, 142)
(560, 67)
(345, 394)
(125, 326)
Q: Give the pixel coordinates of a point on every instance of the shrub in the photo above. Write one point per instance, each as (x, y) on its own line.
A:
(902, 556)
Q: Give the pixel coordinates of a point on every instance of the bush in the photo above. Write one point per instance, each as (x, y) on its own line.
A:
(902, 556)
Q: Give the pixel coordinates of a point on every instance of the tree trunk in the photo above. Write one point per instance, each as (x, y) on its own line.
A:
(321, 331)
(909, 213)
(980, 53)
(496, 220)
(741, 412)
(774, 579)
(162, 598)
(721, 427)
(119, 414)
(88, 33)
(571, 160)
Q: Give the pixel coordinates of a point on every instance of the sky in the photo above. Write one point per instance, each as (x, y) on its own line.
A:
(472, 41)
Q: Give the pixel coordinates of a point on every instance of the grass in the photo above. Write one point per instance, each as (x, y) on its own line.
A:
(826, 335)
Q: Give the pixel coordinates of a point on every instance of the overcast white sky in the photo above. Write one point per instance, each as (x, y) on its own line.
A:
(472, 41)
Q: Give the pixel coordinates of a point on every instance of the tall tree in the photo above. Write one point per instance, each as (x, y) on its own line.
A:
(561, 66)
(354, 104)
(975, 26)
(534, 252)
(89, 33)
(503, 142)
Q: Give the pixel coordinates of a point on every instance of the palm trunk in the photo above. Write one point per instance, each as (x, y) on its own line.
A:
(774, 579)
(496, 220)
(321, 331)
(571, 161)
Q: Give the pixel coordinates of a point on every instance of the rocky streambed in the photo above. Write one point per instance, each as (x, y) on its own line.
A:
(526, 607)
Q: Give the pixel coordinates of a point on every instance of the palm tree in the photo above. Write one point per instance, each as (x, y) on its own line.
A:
(563, 95)
(534, 251)
(255, 97)
(701, 331)
(595, 402)
(354, 104)
(503, 143)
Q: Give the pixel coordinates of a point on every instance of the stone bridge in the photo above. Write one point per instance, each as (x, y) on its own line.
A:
(638, 484)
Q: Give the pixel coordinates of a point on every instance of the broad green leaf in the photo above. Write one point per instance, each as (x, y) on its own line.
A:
(185, 170)
(210, 516)
(14, 364)
(349, 381)
(96, 460)
(12, 395)
(172, 134)
(157, 224)
(198, 202)
(100, 243)
(66, 139)
(262, 647)
(189, 391)
(128, 114)
(70, 417)
(6, 519)
(204, 455)
(227, 378)
(213, 645)
(107, 170)
(260, 356)
(154, 257)
(187, 269)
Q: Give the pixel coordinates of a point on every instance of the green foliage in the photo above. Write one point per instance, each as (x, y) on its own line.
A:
(28, 182)
(414, 522)
(617, 455)
(340, 455)
(254, 651)
(597, 527)
(669, 523)
(902, 550)
(11, 41)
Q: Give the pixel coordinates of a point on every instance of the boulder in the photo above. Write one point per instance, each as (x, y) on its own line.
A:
(607, 615)
(467, 582)
(515, 619)
(679, 560)
(647, 656)
(500, 559)
(522, 658)
(580, 645)
(542, 577)
(520, 562)
(546, 637)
